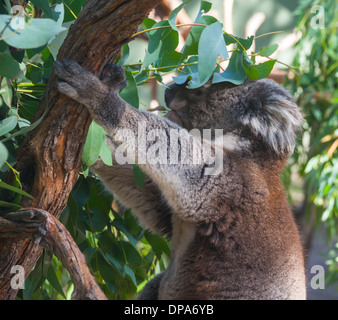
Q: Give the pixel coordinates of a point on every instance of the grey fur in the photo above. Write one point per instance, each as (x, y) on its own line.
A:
(233, 235)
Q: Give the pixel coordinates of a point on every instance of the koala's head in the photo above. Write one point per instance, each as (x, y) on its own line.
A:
(262, 109)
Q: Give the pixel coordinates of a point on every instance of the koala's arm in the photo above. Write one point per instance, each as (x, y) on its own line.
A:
(179, 183)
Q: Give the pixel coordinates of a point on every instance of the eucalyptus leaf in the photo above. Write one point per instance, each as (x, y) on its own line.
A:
(81, 192)
(191, 45)
(9, 205)
(107, 271)
(125, 55)
(246, 43)
(29, 128)
(105, 154)
(6, 93)
(92, 147)
(147, 23)
(204, 8)
(235, 72)
(36, 33)
(8, 124)
(190, 75)
(161, 41)
(139, 175)
(268, 51)
(99, 219)
(129, 272)
(9, 67)
(133, 257)
(130, 92)
(3, 154)
(173, 15)
(45, 7)
(14, 189)
(119, 223)
(54, 281)
(211, 37)
(259, 71)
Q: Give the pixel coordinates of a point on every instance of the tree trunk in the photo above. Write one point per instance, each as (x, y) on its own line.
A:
(50, 158)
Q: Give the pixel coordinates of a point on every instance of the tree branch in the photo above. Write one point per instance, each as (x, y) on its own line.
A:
(44, 229)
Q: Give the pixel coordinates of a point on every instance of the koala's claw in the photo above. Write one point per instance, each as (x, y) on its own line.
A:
(114, 75)
(76, 82)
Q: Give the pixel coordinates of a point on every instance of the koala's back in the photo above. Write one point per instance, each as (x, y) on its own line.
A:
(252, 252)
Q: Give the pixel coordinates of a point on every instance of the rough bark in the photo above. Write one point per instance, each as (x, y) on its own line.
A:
(50, 233)
(50, 158)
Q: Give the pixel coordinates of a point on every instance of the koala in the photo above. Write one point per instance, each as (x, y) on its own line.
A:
(233, 234)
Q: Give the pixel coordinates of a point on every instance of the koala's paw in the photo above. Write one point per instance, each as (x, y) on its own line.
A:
(114, 75)
(74, 81)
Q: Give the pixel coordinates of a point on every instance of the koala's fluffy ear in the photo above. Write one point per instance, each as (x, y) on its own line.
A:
(268, 110)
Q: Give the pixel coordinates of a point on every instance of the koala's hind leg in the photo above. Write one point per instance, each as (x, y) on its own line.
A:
(150, 290)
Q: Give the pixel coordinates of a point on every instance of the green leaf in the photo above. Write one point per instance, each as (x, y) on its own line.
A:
(107, 271)
(14, 189)
(56, 12)
(246, 43)
(105, 154)
(125, 55)
(6, 93)
(53, 280)
(133, 257)
(119, 223)
(9, 67)
(204, 8)
(154, 241)
(36, 33)
(11, 206)
(35, 277)
(170, 60)
(139, 175)
(99, 219)
(235, 72)
(3, 46)
(129, 272)
(92, 147)
(190, 74)
(191, 44)
(211, 37)
(112, 260)
(75, 7)
(130, 92)
(8, 124)
(258, 71)
(27, 129)
(147, 23)
(268, 51)
(161, 41)
(173, 15)
(35, 73)
(44, 6)
(81, 192)
(3, 154)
